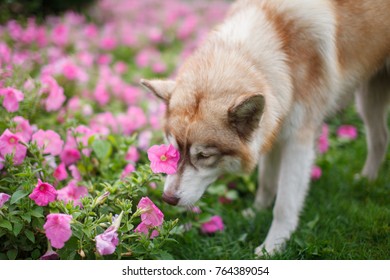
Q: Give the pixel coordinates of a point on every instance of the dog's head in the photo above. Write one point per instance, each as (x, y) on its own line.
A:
(213, 119)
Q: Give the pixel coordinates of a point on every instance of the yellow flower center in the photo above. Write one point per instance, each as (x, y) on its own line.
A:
(163, 158)
(12, 140)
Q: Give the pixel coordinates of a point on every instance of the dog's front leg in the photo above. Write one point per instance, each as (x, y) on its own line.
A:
(269, 166)
(297, 158)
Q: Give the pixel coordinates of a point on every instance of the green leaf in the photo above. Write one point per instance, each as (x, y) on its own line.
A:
(11, 254)
(232, 194)
(30, 235)
(163, 255)
(17, 228)
(37, 212)
(6, 224)
(17, 196)
(26, 217)
(102, 149)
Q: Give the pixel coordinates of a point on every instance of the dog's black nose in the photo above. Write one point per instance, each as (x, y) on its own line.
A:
(170, 199)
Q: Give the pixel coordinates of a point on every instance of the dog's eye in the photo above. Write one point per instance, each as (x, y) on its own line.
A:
(203, 156)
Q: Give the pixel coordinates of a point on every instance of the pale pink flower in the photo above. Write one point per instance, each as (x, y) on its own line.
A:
(9, 144)
(150, 215)
(144, 139)
(23, 128)
(128, 169)
(159, 67)
(120, 67)
(323, 141)
(43, 193)
(50, 255)
(49, 141)
(132, 154)
(56, 95)
(145, 57)
(1, 162)
(155, 35)
(72, 192)
(57, 229)
(213, 225)
(60, 35)
(29, 85)
(91, 31)
(60, 172)
(108, 43)
(72, 72)
(75, 173)
(5, 53)
(316, 172)
(12, 97)
(70, 156)
(107, 241)
(4, 198)
(131, 121)
(163, 158)
(130, 95)
(187, 27)
(104, 59)
(347, 132)
(196, 210)
(101, 94)
(144, 229)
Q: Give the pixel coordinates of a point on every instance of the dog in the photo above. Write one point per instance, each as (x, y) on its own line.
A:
(258, 89)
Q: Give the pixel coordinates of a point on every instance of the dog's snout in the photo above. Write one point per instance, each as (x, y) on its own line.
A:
(170, 199)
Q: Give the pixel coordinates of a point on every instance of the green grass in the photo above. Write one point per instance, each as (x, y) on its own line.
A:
(345, 217)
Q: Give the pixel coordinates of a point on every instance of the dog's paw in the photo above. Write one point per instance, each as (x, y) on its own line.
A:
(266, 250)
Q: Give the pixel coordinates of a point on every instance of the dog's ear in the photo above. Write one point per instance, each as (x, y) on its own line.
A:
(162, 89)
(245, 114)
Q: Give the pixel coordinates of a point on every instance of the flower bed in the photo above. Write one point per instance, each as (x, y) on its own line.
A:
(75, 126)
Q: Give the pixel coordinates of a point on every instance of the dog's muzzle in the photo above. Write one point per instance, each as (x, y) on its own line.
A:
(170, 199)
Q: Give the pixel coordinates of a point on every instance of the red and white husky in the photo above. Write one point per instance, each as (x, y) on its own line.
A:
(258, 90)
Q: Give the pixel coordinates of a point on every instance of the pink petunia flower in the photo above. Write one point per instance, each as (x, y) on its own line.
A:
(56, 95)
(107, 241)
(159, 67)
(131, 121)
(12, 97)
(43, 193)
(132, 154)
(151, 215)
(108, 43)
(49, 141)
(23, 128)
(128, 169)
(164, 158)
(4, 198)
(323, 141)
(347, 132)
(75, 172)
(1, 162)
(72, 192)
(213, 225)
(144, 228)
(144, 139)
(70, 156)
(60, 34)
(57, 229)
(316, 172)
(60, 172)
(9, 144)
(50, 255)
